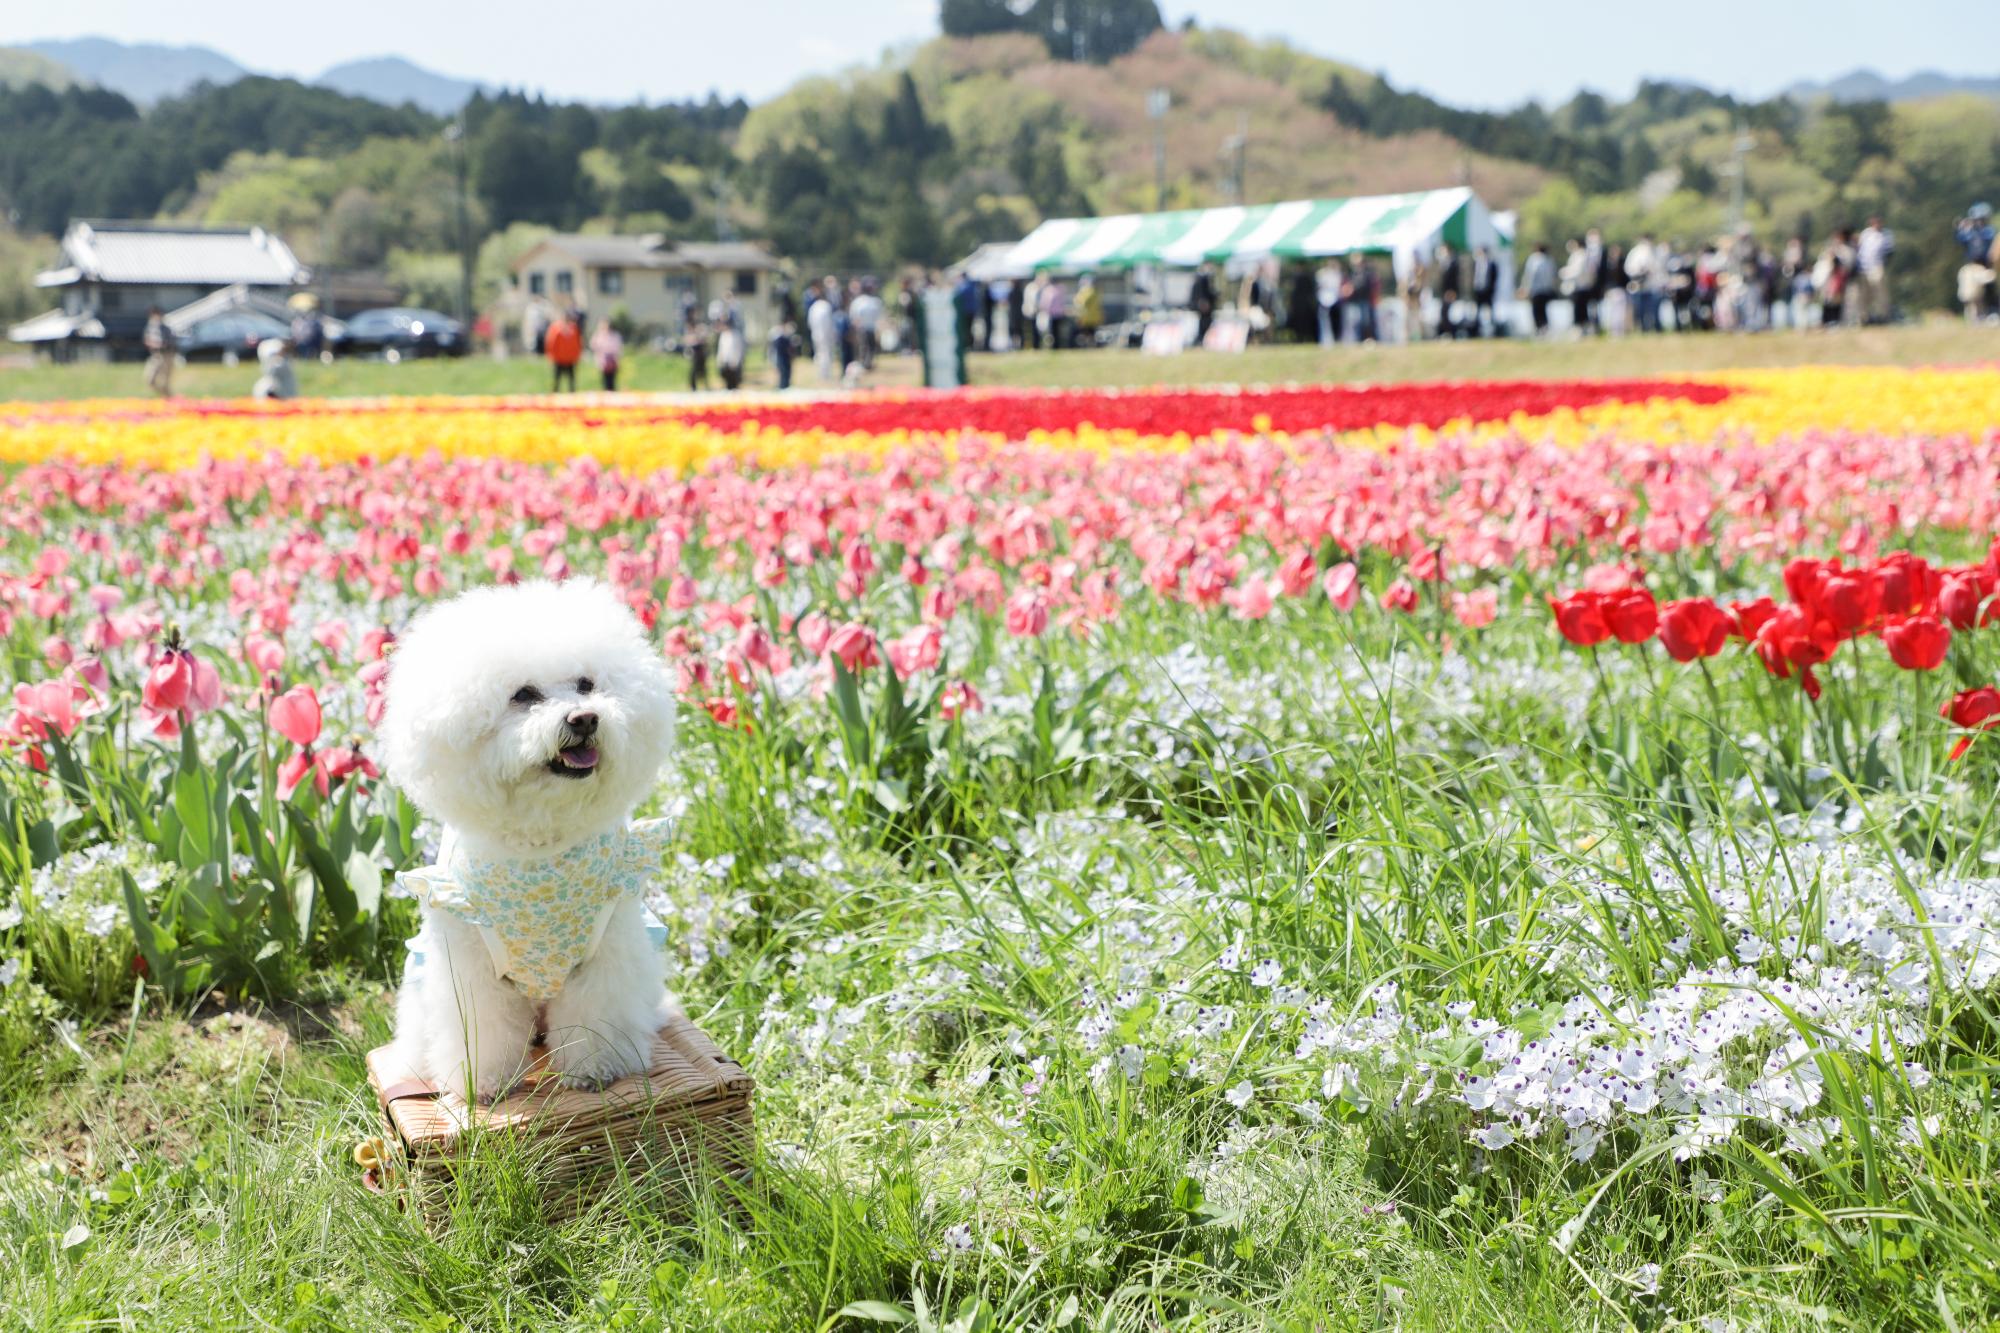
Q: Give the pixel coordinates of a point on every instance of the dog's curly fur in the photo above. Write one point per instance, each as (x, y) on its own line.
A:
(480, 756)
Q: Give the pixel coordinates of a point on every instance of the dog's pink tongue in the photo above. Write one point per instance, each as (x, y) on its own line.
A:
(580, 756)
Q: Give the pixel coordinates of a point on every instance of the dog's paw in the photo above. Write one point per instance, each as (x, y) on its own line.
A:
(589, 1082)
(589, 1062)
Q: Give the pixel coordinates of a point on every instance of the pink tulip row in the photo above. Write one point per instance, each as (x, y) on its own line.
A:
(96, 557)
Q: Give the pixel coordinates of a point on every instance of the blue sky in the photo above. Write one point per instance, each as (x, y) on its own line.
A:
(1470, 52)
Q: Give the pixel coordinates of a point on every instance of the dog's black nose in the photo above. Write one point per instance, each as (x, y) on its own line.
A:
(582, 723)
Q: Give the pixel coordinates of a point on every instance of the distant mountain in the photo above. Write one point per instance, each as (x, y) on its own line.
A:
(1865, 85)
(394, 80)
(142, 71)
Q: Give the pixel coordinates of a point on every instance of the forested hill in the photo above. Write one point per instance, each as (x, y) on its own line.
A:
(959, 141)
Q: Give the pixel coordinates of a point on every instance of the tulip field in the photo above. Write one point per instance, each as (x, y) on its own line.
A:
(1492, 855)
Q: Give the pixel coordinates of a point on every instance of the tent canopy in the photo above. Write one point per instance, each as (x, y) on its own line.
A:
(1401, 225)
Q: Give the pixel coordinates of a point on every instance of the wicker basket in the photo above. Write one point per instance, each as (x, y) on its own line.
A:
(688, 1117)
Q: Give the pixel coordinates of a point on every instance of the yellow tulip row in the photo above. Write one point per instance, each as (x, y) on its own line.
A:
(643, 436)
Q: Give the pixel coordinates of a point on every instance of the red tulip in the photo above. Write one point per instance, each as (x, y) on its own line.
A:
(1792, 638)
(1804, 578)
(1580, 619)
(1849, 601)
(295, 770)
(295, 715)
(1752, 616)
(343, 761)
(1693, 628)
(1631, 613)
(1906, 584)
(1976, 710)
(1399, 596)
(1917, 643)
(1959, 597)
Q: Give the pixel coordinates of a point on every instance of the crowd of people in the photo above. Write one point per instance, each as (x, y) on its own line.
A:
(1732, 283)
(844, 328)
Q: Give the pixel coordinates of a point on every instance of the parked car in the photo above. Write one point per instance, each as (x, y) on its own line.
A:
(401, 330)
(237, 331)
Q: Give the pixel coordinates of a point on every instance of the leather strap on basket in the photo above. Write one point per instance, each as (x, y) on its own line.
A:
(409, 1087)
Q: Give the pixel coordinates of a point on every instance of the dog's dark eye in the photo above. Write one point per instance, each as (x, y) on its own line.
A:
(584, 685)
(527, 695)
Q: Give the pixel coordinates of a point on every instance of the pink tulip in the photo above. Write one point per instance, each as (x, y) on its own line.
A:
(1476, 609)
(1343, 585)
(855, 646)
(266, 655)
(1399, 596)
(919, 648)
(958, 700)
(295, 715)
(1027, 614)
(168, 682)
(814, 630)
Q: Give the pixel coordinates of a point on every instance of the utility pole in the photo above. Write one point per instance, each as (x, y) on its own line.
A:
(1157, 102)
(1738, 153)
(454, 134)
(724, 229)
(1236, 149)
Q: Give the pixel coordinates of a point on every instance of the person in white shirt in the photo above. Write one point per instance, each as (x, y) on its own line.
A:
(1644, 271)
(864, 312)
(819, 324)
(1871, 257)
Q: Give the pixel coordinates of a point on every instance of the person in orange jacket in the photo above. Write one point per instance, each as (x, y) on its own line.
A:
(564, 346)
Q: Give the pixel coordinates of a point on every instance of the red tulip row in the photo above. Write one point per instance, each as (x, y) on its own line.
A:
(1909, 604)
(1016, 414)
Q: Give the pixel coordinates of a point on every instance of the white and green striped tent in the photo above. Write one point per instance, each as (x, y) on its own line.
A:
(1402, 226)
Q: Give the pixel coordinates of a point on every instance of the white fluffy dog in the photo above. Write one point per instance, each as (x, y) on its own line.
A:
(529, 721)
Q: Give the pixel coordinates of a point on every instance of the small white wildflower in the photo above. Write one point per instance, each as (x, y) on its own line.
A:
(10, 916)
(100, 919)
(1493, 1137)
(1267, 973)
(959, 1238)
(10, 970)
(1646, 1279)
(1240, 1095)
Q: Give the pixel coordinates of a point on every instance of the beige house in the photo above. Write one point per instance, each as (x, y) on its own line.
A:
(651, 278)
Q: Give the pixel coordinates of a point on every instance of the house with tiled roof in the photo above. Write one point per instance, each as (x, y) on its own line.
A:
(113, 272)
(649, 277)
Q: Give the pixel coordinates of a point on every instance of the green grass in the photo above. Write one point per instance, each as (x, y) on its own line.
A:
(1344, 802)
(347, 378)
(1939, 342)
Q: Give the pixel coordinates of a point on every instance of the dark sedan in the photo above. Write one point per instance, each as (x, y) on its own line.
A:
(400, 331)
(237, 331)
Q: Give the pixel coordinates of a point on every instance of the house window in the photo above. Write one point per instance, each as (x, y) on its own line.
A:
(610, 281)
(565, 281)
(746, 282)
(538, 283)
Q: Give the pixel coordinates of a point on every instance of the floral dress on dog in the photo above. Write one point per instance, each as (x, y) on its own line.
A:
(542, 919)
